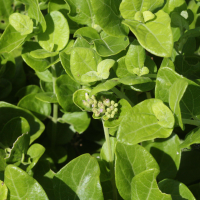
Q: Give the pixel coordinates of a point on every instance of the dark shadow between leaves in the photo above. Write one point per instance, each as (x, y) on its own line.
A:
(8, 113)
(167, 165)
(63, 191)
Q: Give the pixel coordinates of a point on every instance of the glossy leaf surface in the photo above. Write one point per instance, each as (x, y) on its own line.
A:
(16, 180)
(79, 182)
(130, 161)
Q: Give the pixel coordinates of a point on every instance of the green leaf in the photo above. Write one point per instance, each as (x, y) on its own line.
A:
(148, 15)
(150, 38)
(176, 93)
(193, 137)
(121, 69)
(19, 149)
(103, 71)
(79, 120)
(41, 53)
(176, 189)
(128, 8)
(144, 186)
(3, 191)
(48, 97)
(64, 88)
(37, 107)
(141, 123)
(45, 75)
(78, 98)
(79, 183)
(123, 107)
(16, 180)
(163, 114)
(9, 111)
(12, 130)
(56, 35)
(81, 12)
(174, 5)
(30, 89)
(135, 57)
(134, 80)
(83, 60)
(167, 153)
(109, 84)
(189, 105)
(64, 8)
(130, 161)
(106, 45)
(37, 64)
(22, 23)
(65, 60)
(179, 21)
(2, 161)
(167, 63)
(35, 152)
(111, 20)
(10, 39)
(35, 13)
(44, 176)
(5, 11)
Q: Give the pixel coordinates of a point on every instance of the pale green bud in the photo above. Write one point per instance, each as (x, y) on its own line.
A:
(101, 110)
(116, 104)
(106, 102)
(112, 116)
(100, 104)
(113, 113)
(112, 107)
(90, 101)
(93, 97)
(112, 102)
(95, 101)
(108, 116)
(108, 110)
(97, 114)
(116, 109)
(85, 103)
(94, 110)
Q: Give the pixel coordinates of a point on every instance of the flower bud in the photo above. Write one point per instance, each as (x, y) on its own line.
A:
(108, 110)
(108, 116)
(116, 104)
(116, 109)
(97, 114)
(106, 102)
(100, 104)
(113, 113)
(101, 110)
(86, 103)
(94, 110)
(112, 102)
(93, 97)
(112, 116)
(112, 107)
(90, 101)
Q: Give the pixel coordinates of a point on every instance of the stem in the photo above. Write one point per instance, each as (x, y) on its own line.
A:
(121, 95)
(148, 95)
(111, 161)
(55, 107)
(191, 122)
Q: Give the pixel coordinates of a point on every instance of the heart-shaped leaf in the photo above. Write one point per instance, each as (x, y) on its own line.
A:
(22, 23)
(149, 36)
(16, 179)
(79, 183)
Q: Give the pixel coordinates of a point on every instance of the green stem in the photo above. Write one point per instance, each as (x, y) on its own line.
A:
(111, 161)
(191, 122)
(121, 95)
(148, 95)
(55, 107)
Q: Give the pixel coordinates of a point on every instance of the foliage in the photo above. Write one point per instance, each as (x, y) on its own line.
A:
(99, 99)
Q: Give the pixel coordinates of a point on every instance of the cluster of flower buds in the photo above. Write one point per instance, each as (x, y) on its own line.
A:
(101, 108)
